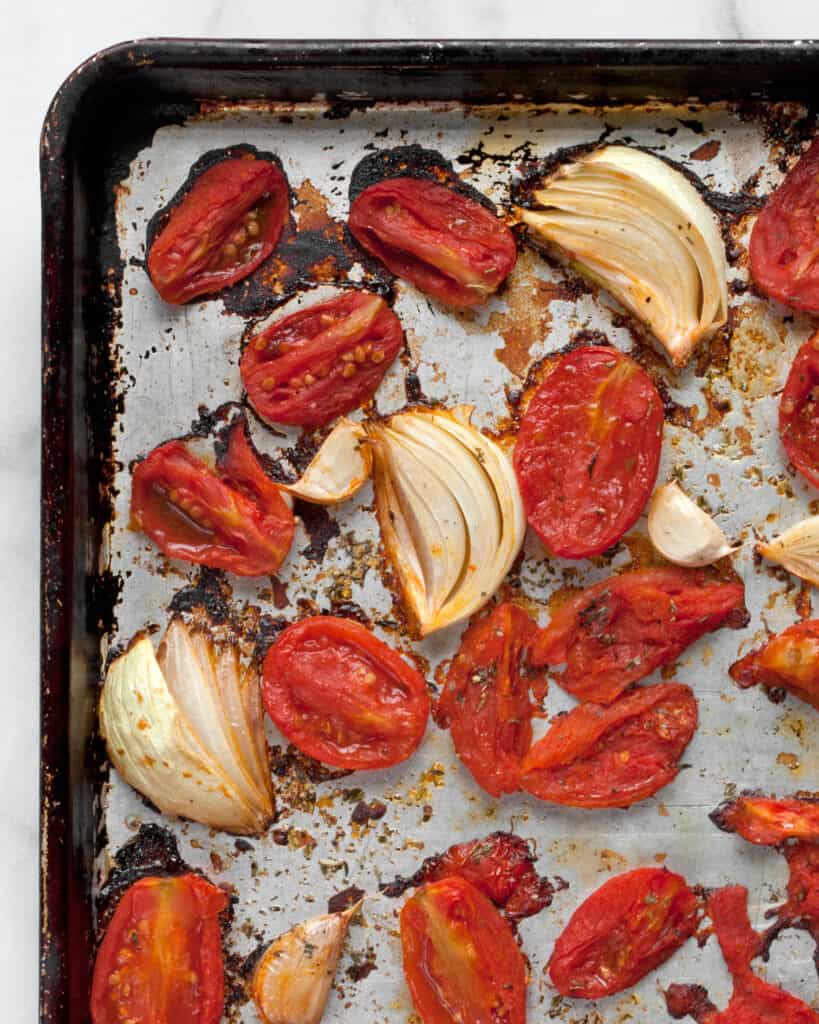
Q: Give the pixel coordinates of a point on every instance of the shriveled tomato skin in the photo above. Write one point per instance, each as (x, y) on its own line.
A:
(461, 960)
(633, 923)
(343, 696)
(623, 628)
(446, 244)
(799, 410)
(160, 960)
(768, 821)
(232, 517)
(323, 361)
(588, 451)
(789, 660)
(485, 701)
(192, 253)
(613, 756)
(784, 247)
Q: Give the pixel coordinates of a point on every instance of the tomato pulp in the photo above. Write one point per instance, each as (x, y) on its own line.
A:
(768, 821)
(343, 696)
(799, 411)
(789, 660)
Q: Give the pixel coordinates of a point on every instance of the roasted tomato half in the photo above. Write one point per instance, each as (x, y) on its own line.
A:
(785, 239)
(613, 756)
(322, 361)
(799, 410)
(801, 910)
(447, 245)
(789, 660)
(461, 960)
(343, 696)
(485, 702)
(626, 928)
(624, 627)
(588, 451)
(160, 960)
(231, 517)
(225, 226)
(768, 821)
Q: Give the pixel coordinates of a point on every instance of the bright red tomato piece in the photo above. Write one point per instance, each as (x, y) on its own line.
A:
(801, 910)
(461, 960)
(633, 923)
(789, 660)
(785, 240)
(588, 451)
(322, 361)
(623, 628)
(343, 696)
(160, 961)
(485, 702)
(613, 756)
(232, 517)
(768, 821)
(225, 226)
(447, 245)
(799, 411)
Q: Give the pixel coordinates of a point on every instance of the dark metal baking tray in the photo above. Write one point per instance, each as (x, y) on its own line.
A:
(99, 120)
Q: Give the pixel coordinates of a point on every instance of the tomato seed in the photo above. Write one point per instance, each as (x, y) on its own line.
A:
(229, 251)
(327, 319)
(309, 379)
(296, 383)
(347, 357)
(349, 370)
(359, 354)
(260, 344)
(269, 383)
(253, 228)
(251, 215)
(378, 356)
(239, 236)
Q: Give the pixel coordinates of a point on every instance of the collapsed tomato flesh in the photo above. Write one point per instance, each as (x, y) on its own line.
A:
(623, 628)
(767, 821)
(799, 410)
(613, 756)
(753, 1000)
(323, 361)
(232, 517)
(626, 928)
(801, 909)
(784, 245)
(789, 660)
(343, 696)
(588, 451)
(226, 225)
(485, 701)
(461, 960)
(448, 245)
(160, 960)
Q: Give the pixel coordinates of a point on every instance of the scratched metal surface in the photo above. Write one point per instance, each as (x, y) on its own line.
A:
(176, 359)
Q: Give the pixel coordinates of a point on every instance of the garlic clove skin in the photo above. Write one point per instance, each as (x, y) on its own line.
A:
(796, 550)
(682, 532)
(340, 467)
(293, 979)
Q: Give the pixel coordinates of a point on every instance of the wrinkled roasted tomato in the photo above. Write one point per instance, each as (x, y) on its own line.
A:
(789, 660)
(613, 756)
(461, 960)
(225, 226)
(160, 960)
(799, 412)
(232, 517)
(801, 910)
(626, 928)
(588, 451)
(485, 702)
(624, 627)
(343, 696)
(322, 361)
(768, 821)
(447, 245)
(753, 1001)
(785, 240)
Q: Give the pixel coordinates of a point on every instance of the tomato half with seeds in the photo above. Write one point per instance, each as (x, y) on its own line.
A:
(224, 227)
(768, 821)
(160, 960)
(461, 960)
(789, 660)
(633, 923)
(784, 246)
(588, 451)
(323, 361)
(623, 628)
(229, 517)
(446, 244)
(799, 411)
(613, 756)
(343, 696)
(485, 701)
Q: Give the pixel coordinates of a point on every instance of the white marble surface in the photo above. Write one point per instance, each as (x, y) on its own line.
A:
(39, 48)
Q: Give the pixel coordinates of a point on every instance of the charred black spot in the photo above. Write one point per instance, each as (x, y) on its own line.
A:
(321, 528)
(292, 760)
(345, 899)
(210, 591)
